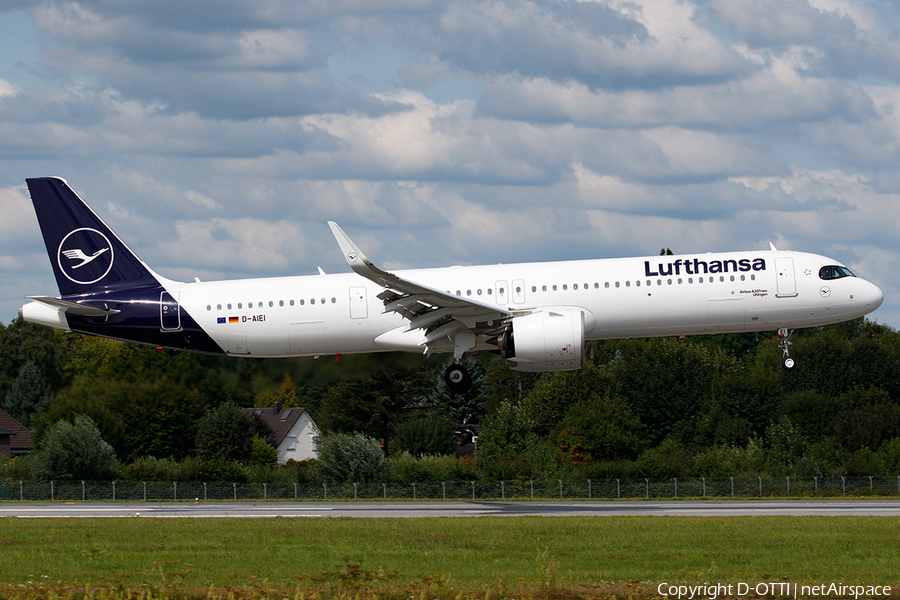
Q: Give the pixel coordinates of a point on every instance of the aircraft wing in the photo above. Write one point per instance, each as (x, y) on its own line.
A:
(438, 313)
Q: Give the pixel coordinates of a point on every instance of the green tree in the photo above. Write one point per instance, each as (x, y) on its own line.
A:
(605, 428)
(668, 383)
(554, 394)
(369, 405)
(75, 451)
(463, 409)
(28, 391)
(225, 433)
(508, 447)
(421, 434)
(350, 458)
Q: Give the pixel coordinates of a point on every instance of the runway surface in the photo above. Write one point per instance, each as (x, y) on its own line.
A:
(687, 508)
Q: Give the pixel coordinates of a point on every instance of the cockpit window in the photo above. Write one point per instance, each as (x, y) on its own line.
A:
(835, 272)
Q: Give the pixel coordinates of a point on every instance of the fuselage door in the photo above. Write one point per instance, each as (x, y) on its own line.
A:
(169, 311)
(358, 307)
(787, 283)
(502, 293)
(518, 291)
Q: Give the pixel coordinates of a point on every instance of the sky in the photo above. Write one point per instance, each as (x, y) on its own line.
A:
(217, 137)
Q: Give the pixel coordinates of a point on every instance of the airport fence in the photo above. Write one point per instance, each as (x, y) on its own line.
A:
(694, 487)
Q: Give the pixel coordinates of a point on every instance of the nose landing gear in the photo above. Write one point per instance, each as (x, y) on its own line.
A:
(787, 361)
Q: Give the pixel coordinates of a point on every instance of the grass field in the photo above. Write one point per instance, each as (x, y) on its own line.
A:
(448, 556)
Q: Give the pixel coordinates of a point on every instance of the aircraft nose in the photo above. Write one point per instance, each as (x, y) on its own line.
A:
(872, 296)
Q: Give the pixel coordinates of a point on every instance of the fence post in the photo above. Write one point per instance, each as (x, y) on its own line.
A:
(354, 490)
(647, 482)
(21, 491)
(560, 489)
(732, 486)
(618, 491)
(816, 483)
(788, 485)
(175, 489)
(325, 487)
(704, 486)
(414, 491)
(870, 483)
(589, 489)
(760, 487)
(265, 491)
(145, 491)
(531, 482)
(82, 491)
(114, 490)
(51, 491)
(444, 487)
(204, 491)
(843, 485)
(384, 487)
(295, 490)
(473, 490)
(234, 487)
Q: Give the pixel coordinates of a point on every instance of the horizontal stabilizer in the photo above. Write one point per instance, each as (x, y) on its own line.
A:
(74, 308)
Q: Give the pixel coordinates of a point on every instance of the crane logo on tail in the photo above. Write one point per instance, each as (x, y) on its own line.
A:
(85, 256)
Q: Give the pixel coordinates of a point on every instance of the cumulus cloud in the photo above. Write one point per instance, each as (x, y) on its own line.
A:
(217, 137)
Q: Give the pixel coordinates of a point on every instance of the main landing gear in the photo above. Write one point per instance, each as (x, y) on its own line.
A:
(457, 378)
(784, 343)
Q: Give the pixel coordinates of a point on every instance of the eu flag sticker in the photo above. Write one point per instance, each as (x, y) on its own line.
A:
(220, 320)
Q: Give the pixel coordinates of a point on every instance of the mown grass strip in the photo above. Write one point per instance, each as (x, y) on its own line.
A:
(463, 554)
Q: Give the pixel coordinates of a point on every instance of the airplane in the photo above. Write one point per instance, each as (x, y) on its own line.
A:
(538, 316)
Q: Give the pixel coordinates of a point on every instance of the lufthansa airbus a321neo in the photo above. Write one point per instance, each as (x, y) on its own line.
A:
(537, 315)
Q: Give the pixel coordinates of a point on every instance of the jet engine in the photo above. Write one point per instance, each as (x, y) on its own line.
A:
(549, 340)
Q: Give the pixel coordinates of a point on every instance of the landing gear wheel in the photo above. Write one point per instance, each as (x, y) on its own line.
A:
(458, 379)
(788, 363)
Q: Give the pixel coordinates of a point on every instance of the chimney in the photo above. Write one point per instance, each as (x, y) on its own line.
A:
(277, 407)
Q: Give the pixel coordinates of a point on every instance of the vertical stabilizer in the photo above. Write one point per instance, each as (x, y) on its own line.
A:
(86, 255)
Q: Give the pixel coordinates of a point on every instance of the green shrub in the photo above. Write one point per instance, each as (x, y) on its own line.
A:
(346, 458)
(75, 451)
(263, 454)
(406, 468)
(150, 468)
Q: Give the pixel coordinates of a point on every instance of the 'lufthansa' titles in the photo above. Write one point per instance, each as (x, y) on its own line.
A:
(701, 267)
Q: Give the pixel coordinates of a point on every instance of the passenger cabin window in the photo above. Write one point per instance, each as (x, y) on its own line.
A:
(835, 272)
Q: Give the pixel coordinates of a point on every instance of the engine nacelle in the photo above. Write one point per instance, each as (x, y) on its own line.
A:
(550, 340)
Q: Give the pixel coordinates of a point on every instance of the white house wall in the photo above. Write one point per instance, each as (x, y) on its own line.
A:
(298, 444)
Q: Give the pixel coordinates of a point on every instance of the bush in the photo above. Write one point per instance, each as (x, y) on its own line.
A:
(19, 467)
(346, 458)
(149, 468)
(75, 451)
(406, 468)
(302, 471)
(263, 454)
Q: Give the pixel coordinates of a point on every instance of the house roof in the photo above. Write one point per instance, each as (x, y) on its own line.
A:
(20, 438)
(280, 423)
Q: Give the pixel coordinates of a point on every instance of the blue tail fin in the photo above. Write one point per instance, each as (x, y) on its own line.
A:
(85, 254)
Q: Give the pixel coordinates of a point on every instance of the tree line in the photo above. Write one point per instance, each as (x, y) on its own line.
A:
(710, 406)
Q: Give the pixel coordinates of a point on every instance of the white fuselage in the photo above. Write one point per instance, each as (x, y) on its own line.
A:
(627, 297)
